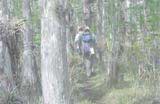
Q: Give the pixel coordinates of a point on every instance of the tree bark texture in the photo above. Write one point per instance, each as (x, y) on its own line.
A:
(6, 78)
(87, 12)
(118, 40)
(54, 69)
(29, 77)
(6, 75)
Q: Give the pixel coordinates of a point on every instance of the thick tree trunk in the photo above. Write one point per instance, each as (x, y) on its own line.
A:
(6, 8)
(6, 78)
(29, 76)
(99, 17)
(101, 37)
(6, 74)
(87, 12)
(55, 81)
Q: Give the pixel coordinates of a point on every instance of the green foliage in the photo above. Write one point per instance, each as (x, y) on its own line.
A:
(36, 16)
(154, 17)
(37, 39)
(78, 10)
(132, 90)
(86, 102)
(17, 10)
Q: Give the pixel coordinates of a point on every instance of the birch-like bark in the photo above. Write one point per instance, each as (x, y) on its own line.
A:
(55, 81)
(100, 7)
(6, 74)
(118, 33)
(29, 70)
(87, 12)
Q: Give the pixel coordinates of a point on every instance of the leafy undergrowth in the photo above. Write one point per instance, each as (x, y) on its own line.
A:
(92, 89)
(125, 96)
(129, 91)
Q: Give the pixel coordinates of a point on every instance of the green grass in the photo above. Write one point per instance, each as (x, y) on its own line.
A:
(129, 91)
(37, 39)
(86, 102)
(125, 96)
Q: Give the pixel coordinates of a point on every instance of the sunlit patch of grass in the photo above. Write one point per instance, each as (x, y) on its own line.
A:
(86, 102)
(97, 81)
(126, 95)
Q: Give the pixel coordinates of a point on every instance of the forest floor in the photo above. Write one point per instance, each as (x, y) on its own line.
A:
(93, 90)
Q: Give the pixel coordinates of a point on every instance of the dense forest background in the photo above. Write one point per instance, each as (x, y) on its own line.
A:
(39, 64)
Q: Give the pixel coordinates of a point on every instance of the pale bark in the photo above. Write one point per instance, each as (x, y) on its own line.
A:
(6, 78)
(6, 8)
(111, 74)
(87, 12)
(54, 69)
(99, 17)
(6, 75)
(28, 73)
(118, 37)
(101, 38)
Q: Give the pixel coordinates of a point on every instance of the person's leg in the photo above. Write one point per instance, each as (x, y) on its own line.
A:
(93, 62)
(87, 63)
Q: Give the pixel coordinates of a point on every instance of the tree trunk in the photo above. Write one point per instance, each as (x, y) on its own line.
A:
(6, 8)
(29, 76)
(87, 12)
(55, 83)
(6, 77)
(6, 74)
(117, 42)
(101, 36)
(99, 17)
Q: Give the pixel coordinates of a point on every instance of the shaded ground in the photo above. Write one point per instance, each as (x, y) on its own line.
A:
(94, 91)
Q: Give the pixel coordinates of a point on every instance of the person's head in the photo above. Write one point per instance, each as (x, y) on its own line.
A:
(87, 29)
(80, 28)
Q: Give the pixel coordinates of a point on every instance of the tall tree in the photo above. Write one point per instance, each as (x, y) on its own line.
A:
(100, 28)
(5, 57)
(118, 37)
(5, 64)
(54, 69)
(100, 7)
(28, 76)
(7, 8)
(87, 12)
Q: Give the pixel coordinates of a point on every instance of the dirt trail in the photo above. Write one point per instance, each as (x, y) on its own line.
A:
(91, 91)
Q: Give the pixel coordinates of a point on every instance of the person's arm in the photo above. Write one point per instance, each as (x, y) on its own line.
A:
(76, 38)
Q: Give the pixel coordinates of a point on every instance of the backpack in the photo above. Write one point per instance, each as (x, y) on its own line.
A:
(86, 46)
(86, 38)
